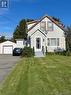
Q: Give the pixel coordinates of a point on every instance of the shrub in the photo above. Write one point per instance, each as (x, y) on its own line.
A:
(27, 52)
(33, 51)
(64, 53)
(68, 53)
(50, 53)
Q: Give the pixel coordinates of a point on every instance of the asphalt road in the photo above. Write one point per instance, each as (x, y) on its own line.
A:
(6, 64)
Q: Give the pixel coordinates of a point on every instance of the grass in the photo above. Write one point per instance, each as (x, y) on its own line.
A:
(40, 76)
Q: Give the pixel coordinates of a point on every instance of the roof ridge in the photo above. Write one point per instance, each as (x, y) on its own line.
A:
(49, 17)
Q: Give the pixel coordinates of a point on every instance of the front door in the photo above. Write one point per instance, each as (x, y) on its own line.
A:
(38, 44)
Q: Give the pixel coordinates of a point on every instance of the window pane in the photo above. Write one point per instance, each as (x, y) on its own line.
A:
(43, 26)
(57, 41)
(53, 41)
(48, 41)
(50, 26)
(38, 43)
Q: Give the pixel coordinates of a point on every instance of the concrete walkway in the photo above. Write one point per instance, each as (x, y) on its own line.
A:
(39, 54)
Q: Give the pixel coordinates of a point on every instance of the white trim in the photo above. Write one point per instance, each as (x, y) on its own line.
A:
(35, 44)
(56, 42)
(39, 31)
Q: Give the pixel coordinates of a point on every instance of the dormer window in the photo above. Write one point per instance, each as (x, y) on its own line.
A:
(43, 26)
(49, 26)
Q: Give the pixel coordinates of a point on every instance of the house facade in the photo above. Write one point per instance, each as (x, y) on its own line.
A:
(46, 34)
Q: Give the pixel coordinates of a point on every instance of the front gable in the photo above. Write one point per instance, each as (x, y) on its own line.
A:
(57, 30)
(38, 33)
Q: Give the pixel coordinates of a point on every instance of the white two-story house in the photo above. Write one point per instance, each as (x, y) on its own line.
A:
(46, 34)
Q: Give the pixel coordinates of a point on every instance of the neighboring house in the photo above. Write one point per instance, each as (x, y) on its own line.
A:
(46, 34)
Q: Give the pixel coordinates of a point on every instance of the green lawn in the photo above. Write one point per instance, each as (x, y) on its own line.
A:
(40, 76)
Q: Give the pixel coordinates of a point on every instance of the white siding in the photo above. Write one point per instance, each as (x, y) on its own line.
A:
(36, 35)
(30, 25)
(20, 43)
(56, 33)
(6, 43)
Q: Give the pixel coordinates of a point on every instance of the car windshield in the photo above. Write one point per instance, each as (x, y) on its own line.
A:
(17, 49)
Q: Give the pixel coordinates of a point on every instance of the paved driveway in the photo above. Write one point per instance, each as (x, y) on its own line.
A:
(6, 64)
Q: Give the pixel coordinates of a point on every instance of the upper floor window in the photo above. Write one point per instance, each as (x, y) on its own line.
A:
(43, 25)
(49, 26)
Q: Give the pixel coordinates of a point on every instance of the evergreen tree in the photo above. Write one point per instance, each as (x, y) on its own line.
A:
(21, 30)
(2, 39)
(68, 38)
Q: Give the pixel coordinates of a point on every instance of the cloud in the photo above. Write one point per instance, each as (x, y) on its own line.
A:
(7, 34)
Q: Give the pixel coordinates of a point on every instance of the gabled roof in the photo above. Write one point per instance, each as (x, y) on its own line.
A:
(39, 31)
(7, 42)
(50, 18)
(31, 22)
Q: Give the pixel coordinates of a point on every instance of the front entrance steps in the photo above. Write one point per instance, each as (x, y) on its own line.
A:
(39, 54)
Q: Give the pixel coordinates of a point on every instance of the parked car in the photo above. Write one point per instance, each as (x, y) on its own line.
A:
(17, 51)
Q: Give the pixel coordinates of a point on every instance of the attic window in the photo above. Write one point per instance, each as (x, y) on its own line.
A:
(43, 26)
(49, 26)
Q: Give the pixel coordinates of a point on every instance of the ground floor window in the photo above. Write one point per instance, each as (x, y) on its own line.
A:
(53, 41)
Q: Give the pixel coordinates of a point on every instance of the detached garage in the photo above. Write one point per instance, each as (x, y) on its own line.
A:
(7, 47)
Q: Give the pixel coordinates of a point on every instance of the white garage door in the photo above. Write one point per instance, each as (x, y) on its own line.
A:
(7, 49)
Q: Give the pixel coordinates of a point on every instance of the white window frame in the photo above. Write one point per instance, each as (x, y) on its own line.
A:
(49, 42)
(39, 39)
(43, 28)
(48, 27)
